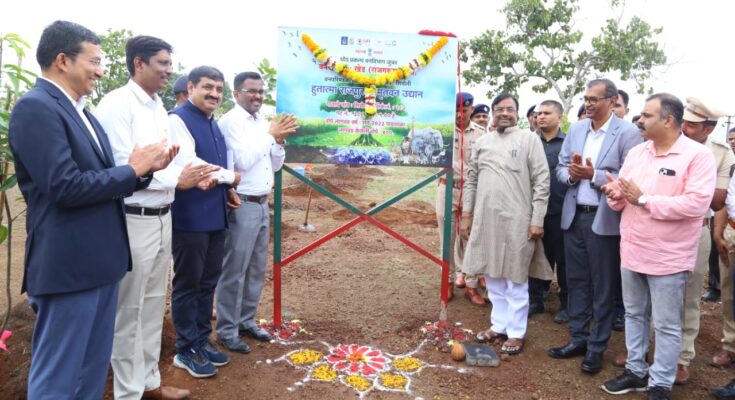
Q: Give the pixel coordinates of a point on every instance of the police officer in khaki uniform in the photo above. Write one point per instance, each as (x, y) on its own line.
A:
(699, 122)
(481, 115)
(725, 221)
(464, 138)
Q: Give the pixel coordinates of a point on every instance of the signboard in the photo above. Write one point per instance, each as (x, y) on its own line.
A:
(353, 101)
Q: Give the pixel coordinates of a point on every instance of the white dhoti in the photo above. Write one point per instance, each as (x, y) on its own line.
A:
(509, 315)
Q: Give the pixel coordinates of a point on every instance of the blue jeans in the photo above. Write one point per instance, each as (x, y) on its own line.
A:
(662, 297)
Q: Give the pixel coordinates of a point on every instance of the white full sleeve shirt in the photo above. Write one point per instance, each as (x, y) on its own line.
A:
(255, 153)
(131, 117)
(187, 150)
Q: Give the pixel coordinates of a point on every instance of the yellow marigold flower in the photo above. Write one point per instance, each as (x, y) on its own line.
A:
(340, 66)
(394, 381)
(309, 42)
(407, 364)
(324, 373)
(305, 357)
(358, 382)
(406, 71)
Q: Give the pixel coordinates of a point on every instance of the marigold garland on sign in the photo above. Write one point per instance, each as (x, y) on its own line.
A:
(372, 82)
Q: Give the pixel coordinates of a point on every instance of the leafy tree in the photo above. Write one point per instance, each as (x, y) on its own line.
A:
(268, 73)
(14, 81)
(540, 45)
(167, 95)
(116, 75)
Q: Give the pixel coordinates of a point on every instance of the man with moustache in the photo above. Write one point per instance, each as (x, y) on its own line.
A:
(481, 115)
(664, 189)
(199, 224)
(77, 247)
(506, 195)
(591, 229)
(549, 131)
(257, 149)
(699, 122)
(466, 134)
(133, 115)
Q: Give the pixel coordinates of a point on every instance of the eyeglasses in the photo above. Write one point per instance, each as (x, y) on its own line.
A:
(252, 92)
(500, 110)
(95, 62)
(593, 99)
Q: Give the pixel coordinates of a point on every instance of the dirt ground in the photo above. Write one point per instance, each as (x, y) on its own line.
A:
(366, 288)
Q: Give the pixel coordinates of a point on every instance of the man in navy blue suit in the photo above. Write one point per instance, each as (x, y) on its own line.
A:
(77, 246)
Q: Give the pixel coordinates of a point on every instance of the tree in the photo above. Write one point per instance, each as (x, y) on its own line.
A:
(18, 81)
(268, 73)
(116, 75)
(541, 46)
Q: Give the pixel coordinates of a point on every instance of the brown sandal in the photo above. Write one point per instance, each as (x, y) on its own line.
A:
(512, 346)
(489, 336)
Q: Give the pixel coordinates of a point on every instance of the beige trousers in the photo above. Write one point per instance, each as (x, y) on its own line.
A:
(692, 294)
(136, 347)
(456, 243)
(726, 272)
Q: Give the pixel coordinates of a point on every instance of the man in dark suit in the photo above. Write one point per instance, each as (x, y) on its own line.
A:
(77, 246)
(593, 147)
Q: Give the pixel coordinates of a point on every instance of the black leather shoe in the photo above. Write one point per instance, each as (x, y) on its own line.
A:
(592, 362)
(257, 334)
(234, 344)
(619, 323)
(725, 392)
(569, 350)
(711, 296)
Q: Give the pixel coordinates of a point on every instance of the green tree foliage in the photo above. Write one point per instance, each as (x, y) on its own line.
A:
(116, 74)
(540, 45)
(268, 72)
(14, 81)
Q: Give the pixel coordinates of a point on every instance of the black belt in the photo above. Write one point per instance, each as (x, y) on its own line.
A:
(253, 199)
(147, 211)
(586, 209)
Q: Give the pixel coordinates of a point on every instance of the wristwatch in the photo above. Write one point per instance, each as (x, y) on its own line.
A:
(642, 200)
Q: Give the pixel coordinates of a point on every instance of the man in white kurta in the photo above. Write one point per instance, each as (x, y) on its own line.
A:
(506, 194)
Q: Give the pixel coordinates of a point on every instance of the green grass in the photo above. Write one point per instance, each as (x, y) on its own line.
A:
(397, 180)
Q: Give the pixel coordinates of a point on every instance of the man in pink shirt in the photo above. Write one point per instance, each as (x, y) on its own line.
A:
(664, 189)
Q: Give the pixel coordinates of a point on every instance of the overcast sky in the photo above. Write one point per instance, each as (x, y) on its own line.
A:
(697, 36)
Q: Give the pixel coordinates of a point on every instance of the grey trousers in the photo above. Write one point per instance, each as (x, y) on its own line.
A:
(661, 297)
(243, 269)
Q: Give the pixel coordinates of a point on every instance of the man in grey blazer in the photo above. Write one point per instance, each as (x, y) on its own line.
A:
(593, 147)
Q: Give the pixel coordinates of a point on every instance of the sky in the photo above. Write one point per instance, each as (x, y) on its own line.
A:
(233, 37)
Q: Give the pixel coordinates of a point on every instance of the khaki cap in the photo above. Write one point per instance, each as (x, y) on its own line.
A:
(696, 111)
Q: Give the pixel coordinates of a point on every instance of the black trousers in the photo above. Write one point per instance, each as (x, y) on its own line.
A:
(197, 266)
(593, 273)
(553, 241)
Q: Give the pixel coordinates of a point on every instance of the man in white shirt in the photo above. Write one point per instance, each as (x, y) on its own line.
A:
(134, 116)
(257, 151)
